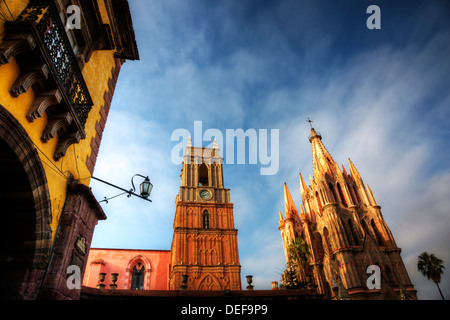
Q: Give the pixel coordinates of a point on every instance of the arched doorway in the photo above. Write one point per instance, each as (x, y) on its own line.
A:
(25, 212)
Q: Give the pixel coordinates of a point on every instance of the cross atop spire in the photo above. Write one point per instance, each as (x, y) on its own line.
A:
(310, 121)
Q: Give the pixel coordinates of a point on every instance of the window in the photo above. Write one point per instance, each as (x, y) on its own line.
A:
(364, 225)
(318, 202)
(137, 279)
(319, 199)
(326, 238)
(353, 231)
(345, 231)
(205, 219)
(319, 245)
(333, 198)
(377, 233)
(341, 194)
(356, 194)
(389, 275)
(203, 175)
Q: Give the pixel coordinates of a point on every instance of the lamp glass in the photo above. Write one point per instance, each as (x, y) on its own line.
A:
(146, 188)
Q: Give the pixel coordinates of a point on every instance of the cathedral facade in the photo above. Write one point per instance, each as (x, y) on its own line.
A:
(343, 228)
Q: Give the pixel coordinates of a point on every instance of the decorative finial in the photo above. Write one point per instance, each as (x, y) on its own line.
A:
(189, 144)
(310, 121)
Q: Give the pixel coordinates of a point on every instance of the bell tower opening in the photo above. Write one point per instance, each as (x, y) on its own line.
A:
(203, 178)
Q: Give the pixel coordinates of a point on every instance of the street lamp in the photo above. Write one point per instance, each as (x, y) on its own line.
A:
(145, 188)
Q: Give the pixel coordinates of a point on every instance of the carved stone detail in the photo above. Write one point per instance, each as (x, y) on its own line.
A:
(13, 44)
(54, 124)
(42, 102)
(27, 78)
(64, 142)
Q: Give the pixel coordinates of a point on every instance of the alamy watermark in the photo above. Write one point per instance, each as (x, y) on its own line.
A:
(374, 280)
(74, 279)
(236, 145)
(374, 20)
(74, 18)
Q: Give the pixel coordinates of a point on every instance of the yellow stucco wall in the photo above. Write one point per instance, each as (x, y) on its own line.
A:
(13, 6)
(96, 73)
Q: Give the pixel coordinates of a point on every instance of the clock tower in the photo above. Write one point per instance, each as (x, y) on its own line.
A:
(204, 245)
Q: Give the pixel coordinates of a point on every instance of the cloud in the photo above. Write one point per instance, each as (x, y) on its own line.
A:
(128, 148)
(236, 65)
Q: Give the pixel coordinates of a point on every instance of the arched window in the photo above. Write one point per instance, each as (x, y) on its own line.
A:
(389, 275)
(318, 202)
(341, 194)
(333, 197)
(365, 227)
(326, 238)
(353, 231)
(319, 245)
(377, 233)
(205, 219)
(356, 194)
(323, 198)
(203, 175)
(345, 232)
(137, 279)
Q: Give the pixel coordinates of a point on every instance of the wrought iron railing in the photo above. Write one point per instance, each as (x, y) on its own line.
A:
(44, 15)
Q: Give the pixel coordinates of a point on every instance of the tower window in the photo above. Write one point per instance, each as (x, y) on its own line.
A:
(205, 219)
(203, 175)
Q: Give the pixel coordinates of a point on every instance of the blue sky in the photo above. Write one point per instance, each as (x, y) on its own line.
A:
(379, 97)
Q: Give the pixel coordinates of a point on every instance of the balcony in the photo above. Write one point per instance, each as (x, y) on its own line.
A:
(38, 42)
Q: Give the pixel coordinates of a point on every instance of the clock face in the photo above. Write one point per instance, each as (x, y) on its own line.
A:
(205, 194)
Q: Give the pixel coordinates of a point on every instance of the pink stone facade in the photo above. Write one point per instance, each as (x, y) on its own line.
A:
(123, 261)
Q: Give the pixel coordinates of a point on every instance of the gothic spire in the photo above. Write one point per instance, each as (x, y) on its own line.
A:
(355, 174)
(303, 187)
(322, 160)
(281, 221)
(289, 205)
(372, 198)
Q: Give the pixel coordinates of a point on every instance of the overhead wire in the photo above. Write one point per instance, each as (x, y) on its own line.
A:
(54, 165)
(4, 14)
(7, 7)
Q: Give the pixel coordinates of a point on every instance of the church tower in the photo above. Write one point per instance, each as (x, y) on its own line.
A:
(204, 244)
(341, 223)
